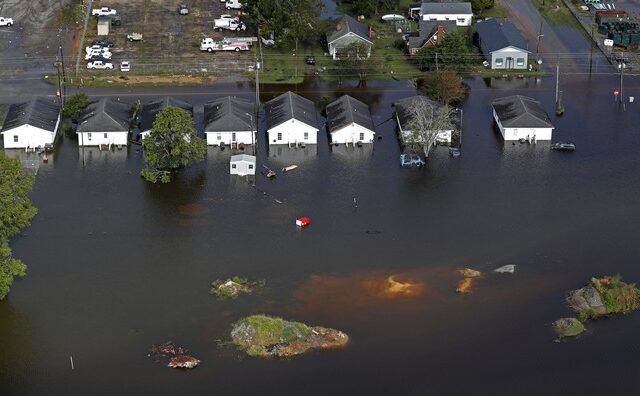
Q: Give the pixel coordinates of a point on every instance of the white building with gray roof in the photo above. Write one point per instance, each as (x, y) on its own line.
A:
(291, 120)
(151, 110)
(461, 12)
(502, 44)
(521, 117)
(347, 32)
(230, 121)
(349, 121)
(31, 124)
(104, 123)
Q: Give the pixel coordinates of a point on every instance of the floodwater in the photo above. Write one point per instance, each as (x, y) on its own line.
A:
(116, 264)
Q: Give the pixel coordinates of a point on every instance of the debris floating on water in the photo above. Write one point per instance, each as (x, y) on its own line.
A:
(303, 221)
(289, 168)
(184, 362)
(469, 273)
(506, 269)
(464, 287)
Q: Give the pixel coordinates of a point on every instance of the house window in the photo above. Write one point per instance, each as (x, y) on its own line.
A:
(361, 136)
(462, 20)
(250, 166)
(520, 61)
(306, 135)
(89, 135)
(219, 136)
(279, 135)
(233, 136)
(499, 62)
(15, 138)
(105, 135)
(233, 166)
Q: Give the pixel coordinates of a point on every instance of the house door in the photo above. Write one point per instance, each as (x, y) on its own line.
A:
(509, 63)
(233, 136)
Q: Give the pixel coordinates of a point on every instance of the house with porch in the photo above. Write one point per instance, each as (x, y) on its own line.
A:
(104, 123)
(502, 44)
(31, 124)
(151, 109)
(520, 117)
(291, 120)
(230, 121)
(349, 121)
(347, 32)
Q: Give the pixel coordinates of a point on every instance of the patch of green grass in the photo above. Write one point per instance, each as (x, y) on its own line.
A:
(497, 11)
(286, 66)
(555, 11)
(617, 296)
(488, 73)
(268, 330)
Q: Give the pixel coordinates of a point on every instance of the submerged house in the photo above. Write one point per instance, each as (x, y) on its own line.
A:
(403, 118)
(429, 33)
(521, 117)
(348, 32)
(242, 165)
(105, 122)
(31, 124)
(349, 121)
(458, 12)
(150, 111)
(291, 120)
(229, 121)
(502, 44)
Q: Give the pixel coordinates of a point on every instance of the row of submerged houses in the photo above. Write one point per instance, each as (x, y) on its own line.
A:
(230, 121)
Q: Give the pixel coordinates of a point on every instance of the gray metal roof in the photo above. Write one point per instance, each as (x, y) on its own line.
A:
(150, 110)
(496, 34)
(347, 110)
(402, 107)
(445, 8)
(229, 114)
(345, 25)
(287, 106)
(105, 115)
(39, 112)
(243, 157)
(519, 111)
(428, 29)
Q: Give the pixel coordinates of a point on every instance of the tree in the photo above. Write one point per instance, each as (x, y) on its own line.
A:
(16, 213)
(371, 7)
(425, 121)
(353, 61)
(452, 53)
(445, 86)
(290, 19)
(479, 5)
(173, 143)
(74, 105)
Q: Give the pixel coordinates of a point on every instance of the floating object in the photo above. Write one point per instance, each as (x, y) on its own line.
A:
(303, 221)
(392, 17)
(563, 146)
(184, 361)
(506, 269)
(454, 152)
(469, 273)
(289, 168)
(464, 286)
(269, 174)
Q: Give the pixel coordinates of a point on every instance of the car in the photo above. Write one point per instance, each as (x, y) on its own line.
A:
(104, 11)
(95, 47)
(93, 58)
(411, 160)
(563, 146)
(310, 60)
(116, 20)
(103, 54)
(100, 65)
(102, 43)
(125, 66)
(183, 9)
(6, 21)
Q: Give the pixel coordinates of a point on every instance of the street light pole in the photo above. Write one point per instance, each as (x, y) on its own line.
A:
(621, 66)
(540, 36)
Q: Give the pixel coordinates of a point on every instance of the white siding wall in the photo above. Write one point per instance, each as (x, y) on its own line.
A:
(215, 138)
(28, 136)
(352, 134)
(509, 134)
(345, 41)
(461, 19)
(509, 58)
(291, 132)
(242, 168)
(104, 138)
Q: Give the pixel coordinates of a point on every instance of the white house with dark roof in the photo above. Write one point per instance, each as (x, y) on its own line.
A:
(151, 109)
(521, 117)
(105, 122)
(502, 44)
(31, 124)
(460, 13)
(230, 121)
(349, 121)
(346, 32)
(291, 120)
(403, 117)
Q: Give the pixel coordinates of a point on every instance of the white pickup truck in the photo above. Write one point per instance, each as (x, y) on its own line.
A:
(229, 24)
(235, 4)
(209, 45)
(6, 21)
(104, 11)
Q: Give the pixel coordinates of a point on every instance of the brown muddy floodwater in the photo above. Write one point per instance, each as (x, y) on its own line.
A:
(117, 265)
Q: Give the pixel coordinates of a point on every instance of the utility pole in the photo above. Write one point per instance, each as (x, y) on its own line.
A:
(64, 74)
(621, 66)
(559, 107)
(59, 93)
(540, 36)
(591, 53)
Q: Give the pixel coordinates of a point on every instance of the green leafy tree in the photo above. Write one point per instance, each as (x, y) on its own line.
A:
(173, 143)
(353, 62)
(452, 53)
(479, 5)
(74, 105)
(289, 20)
(371, 7)
(445, 86)
(16, 213)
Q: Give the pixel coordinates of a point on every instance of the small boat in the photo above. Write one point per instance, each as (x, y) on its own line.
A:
(563, 146)
(269, 173)
(392, 17)
(289, 168)
(303, 221)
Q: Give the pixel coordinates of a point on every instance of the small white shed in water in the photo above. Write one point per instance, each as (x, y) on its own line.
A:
(242, 165)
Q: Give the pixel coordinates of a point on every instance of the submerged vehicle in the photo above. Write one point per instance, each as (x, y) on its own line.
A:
(411, 160)
(563, 146)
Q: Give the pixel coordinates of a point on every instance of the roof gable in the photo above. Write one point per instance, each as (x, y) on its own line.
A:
(289, 106)
(519, 111)
(39, 112)
(428, 29)
(151, 109)
(496, 34)
(105, 115)
(446, 8)
(229, 114)
(345, 25)
(347, 110)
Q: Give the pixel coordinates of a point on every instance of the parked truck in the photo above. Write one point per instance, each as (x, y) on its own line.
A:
(229, 24)
(233, 4)
(6, 21)
(209, 45)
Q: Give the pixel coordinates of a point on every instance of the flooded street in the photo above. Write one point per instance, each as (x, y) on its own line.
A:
(117, 264)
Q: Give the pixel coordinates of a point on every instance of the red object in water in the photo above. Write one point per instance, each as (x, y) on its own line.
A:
(303, 221)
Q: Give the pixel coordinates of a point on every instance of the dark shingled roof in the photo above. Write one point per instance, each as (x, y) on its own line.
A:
(105, 115)
(347, 24)
(150, 110)
(496, 34)
(402, 107)
(521, 112)
(347, 110)
(445, 8)
(287, 106)
(427, 30)
(39, 112)
(229, 114)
